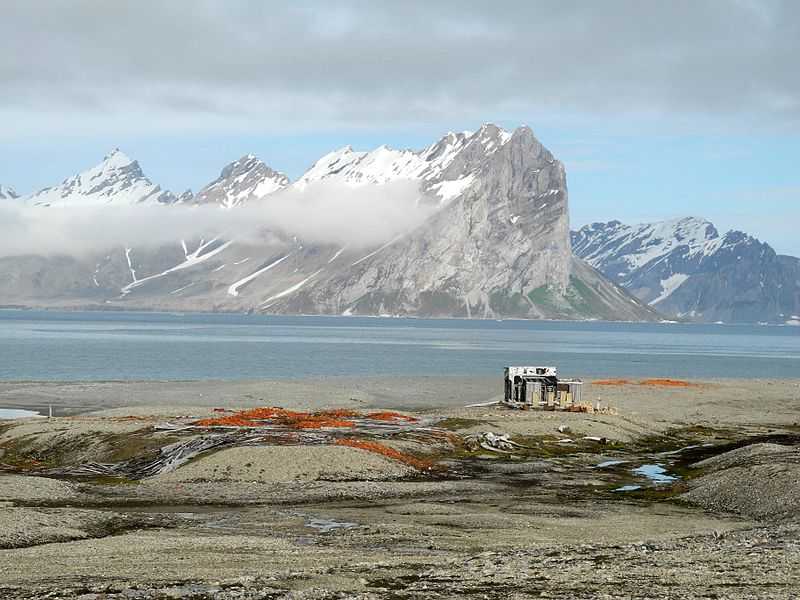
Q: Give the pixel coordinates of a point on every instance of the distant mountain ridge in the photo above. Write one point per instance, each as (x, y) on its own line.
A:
(496, 245)
(687, 269)
(241, 181)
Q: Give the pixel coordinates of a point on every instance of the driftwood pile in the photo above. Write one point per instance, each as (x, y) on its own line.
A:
(500, 443)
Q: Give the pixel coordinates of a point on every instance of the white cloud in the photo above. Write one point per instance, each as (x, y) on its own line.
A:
(325, 212)
(303, 65)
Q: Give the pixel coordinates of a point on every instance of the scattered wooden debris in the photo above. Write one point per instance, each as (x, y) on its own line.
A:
(493, 442)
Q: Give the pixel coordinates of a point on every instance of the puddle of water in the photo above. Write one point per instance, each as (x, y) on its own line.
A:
(627, 488)
(17, 413)
(609, 463)
(655, 473)
(327, 525)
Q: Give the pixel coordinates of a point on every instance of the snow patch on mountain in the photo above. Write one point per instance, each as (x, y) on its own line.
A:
(233, 290)
(7, 193)
(669, 285)
(290, 290)
(447, 190)
(205, 251)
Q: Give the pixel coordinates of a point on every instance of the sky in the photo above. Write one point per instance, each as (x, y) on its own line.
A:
(657, 109)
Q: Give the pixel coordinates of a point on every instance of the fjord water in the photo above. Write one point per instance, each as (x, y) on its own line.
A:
(47, 345)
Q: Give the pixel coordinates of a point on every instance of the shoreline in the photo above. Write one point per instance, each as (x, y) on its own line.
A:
(666, 320)
(390, 391)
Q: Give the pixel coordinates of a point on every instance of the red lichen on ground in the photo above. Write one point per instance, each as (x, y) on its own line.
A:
(339, 417)
(648, 382)
(296, 420)
(668, 383)
(412, 461)
(389, 415)
(611, 382)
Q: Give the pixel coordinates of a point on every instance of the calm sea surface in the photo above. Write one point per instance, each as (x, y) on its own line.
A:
(48, 345)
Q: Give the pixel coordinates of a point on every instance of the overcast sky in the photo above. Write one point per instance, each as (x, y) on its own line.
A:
(658, 109)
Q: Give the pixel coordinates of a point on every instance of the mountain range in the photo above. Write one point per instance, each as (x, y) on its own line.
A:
(495, 242)
(686, 269)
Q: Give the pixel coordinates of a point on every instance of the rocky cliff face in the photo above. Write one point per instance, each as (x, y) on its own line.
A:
(499, 248)
(685, 268)
(496, 244)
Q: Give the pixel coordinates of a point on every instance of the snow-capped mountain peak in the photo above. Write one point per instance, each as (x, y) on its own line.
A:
(118, 179)
(384, 164)
(186, 197)
(116, 159)
(241, 181)
(7, 193)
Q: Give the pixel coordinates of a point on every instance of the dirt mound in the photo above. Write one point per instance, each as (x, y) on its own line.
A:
(748, 455)
(289, 463)
(760, 481)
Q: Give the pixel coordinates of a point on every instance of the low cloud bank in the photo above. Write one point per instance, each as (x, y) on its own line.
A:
(322, 213)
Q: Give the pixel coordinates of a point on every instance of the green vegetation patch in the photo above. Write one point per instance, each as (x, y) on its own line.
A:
(544, 297)
(511, 305)
(585, 300)
(457, 424)
(135, 445)
(440, 303)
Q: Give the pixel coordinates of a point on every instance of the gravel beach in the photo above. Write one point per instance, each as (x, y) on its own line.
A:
(343, 497)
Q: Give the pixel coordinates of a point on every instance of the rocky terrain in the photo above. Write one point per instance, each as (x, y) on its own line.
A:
(687, 486)
(495, 242)
(687, 269)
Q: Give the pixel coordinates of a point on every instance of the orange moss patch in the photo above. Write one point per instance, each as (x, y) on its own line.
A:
(412, 461)
(648, 382)
(340, 417)
(611, 382)
(297, 420)
(388, 415)
(668, 383)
